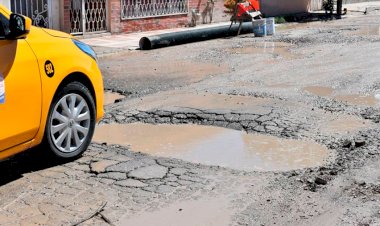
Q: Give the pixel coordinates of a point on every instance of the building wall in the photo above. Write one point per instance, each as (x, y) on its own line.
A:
(316, 4)
(65, 18)
(118, 25)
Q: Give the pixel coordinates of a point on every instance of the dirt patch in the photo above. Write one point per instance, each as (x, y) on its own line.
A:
(215, 146)
(148, 68)
(142, 73)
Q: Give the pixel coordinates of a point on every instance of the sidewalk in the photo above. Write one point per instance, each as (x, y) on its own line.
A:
(363, 6)
(110, 44)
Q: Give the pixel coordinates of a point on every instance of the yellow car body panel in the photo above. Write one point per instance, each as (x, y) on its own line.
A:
(33, 70)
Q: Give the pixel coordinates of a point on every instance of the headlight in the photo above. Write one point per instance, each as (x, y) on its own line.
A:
(86, 49)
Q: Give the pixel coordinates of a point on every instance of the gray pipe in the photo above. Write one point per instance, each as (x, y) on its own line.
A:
(195, 35)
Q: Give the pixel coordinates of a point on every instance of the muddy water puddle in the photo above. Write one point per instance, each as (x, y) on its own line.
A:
(281, 49)
(372, 100)
(358, 99)
(368, 30)
(211, 212)
(319, 90)
(345, 124)
(215, 146)
(292, 26)
(111, 97)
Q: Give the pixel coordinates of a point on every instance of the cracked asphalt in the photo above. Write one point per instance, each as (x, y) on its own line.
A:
(312, 81)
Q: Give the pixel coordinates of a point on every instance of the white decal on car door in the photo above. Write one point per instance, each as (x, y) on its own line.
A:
(2, 89)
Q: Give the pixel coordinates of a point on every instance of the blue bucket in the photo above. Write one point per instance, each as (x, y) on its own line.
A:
(270, 26)
(260, 27)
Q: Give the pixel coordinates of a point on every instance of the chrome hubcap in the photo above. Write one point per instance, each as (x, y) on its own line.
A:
(70, 123)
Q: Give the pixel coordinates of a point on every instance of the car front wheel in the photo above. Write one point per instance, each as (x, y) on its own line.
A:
(71, 121)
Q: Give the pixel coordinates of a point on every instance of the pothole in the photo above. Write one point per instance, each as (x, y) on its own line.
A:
(345, 124)
(371, 100)
(368, 30)
(319, 90)
(111, 97)
(212, 212)
(215, 146)
(273, 48)
(359, 99)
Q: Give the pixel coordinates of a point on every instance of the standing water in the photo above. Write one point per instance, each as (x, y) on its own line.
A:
(215, 146)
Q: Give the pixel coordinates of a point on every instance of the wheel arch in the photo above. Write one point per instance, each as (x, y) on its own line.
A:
(78, 77)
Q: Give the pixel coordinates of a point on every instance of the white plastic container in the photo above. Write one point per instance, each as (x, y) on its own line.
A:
(260, 27)
(270, 26)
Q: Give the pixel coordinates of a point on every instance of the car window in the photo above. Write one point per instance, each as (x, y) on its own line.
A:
(4, 26)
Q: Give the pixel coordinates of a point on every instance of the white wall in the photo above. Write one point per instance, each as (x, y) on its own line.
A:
(55, 14)
(6, 3)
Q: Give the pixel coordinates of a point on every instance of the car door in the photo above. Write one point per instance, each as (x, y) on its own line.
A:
(20, 90)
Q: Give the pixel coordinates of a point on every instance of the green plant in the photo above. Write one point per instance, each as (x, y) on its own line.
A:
(279, 20)
(328, 5)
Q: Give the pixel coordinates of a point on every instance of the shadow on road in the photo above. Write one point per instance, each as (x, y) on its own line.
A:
(29, 161)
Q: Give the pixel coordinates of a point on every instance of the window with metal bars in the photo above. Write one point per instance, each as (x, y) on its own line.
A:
(37, 10)
(152, 8)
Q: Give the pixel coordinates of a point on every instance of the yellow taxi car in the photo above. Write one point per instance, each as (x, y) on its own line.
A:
(51, 89)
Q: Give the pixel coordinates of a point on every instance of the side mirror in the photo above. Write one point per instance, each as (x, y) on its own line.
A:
(19, 26)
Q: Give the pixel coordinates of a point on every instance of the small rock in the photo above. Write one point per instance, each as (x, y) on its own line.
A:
(360, 182)
(347, 144)
(333, 172)
(118, 100)
(313, 187)
(310, 181)
(359, 143)
(321, 181)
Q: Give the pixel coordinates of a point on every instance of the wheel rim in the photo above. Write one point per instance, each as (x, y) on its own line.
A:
(70, 123)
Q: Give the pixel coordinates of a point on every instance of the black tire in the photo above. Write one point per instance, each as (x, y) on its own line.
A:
(80, 93)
